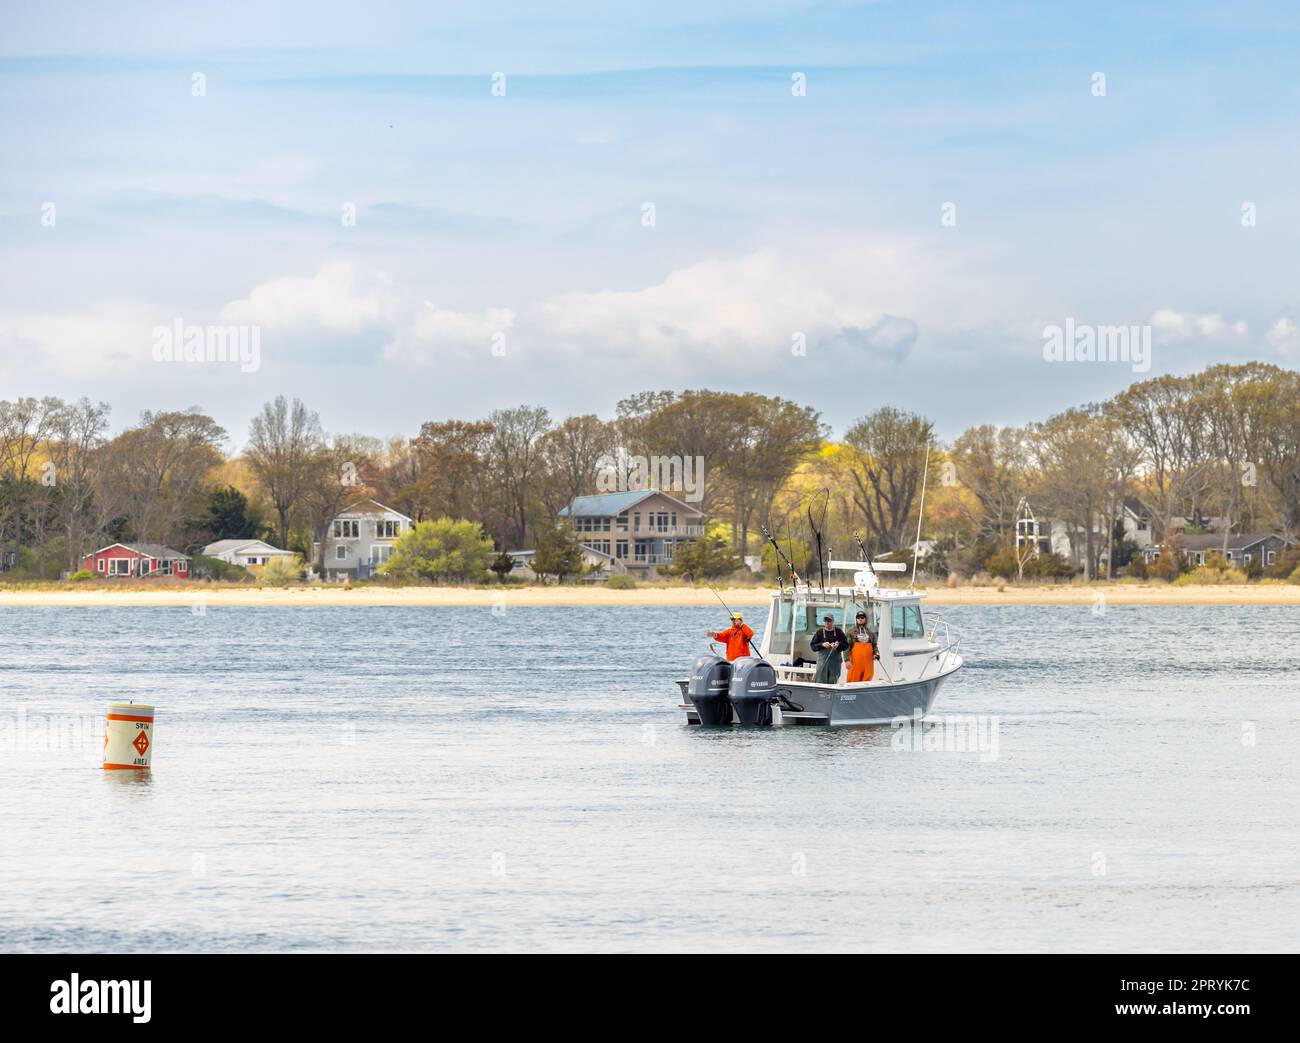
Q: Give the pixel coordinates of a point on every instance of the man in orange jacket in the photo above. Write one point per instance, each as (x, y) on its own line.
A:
(737, 636)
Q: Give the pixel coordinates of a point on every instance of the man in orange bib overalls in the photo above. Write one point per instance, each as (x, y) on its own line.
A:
(862, 650)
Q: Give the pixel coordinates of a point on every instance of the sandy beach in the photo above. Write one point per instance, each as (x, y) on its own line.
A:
(1114, 594)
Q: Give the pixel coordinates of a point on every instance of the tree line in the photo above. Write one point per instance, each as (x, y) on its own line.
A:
(1221, 447)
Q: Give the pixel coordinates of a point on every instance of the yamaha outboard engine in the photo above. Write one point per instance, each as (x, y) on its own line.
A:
(707, 690)
(753, 686)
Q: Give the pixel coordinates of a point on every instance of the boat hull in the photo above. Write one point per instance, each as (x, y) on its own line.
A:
(847, 706)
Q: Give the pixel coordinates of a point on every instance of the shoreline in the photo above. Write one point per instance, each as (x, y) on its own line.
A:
(396, 597)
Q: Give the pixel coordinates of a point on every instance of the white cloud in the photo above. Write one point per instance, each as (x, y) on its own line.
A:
(337, 299)
(719, 311)
(1177, 327)
(110, 338)
(1282, 335)
(436, 334)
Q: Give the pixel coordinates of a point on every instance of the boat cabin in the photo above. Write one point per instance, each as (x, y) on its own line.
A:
(906, 650)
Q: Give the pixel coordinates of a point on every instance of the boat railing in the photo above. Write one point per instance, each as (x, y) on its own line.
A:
(950, 643)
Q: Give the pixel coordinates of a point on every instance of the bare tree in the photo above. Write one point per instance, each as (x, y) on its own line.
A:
(24, 427)
(570, 453)
(283, 441)
(153, 471)
(515, 462)
(76, 441)
(885, 462)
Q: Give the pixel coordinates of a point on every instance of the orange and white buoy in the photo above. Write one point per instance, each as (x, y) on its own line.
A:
(128, 737)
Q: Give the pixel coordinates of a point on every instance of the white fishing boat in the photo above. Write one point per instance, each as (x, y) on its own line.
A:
(916, 652)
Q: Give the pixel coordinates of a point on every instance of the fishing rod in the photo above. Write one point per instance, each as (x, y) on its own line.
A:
(865, 556)
(916, 549)
(794, 573)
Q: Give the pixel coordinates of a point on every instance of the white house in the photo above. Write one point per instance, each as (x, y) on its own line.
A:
(248, 554)
(360, 539)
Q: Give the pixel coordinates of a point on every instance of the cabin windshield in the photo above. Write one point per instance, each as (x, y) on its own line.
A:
(805, 623)
(906, 620)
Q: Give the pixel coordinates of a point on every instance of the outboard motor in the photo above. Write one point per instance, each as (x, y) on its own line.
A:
(753, 686)
(707, 690)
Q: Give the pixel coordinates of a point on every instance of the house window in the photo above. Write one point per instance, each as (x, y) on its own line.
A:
(347, 529)
(620, 548)
(340, 552)
(1245, 559)
(119, 566)
(1270, 556)
(167, 567)
(99, 563)
(636, 521)
(182, 566)
(598, 545)
(379, 555)
(622, 522)
(388, 529)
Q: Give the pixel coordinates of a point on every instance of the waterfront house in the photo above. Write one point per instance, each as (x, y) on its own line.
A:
(632, 532)
(360, 539)
(248, 554)
(137, 560)
(1243, 551)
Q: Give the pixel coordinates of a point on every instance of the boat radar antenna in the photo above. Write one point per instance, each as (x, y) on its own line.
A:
(920, 515)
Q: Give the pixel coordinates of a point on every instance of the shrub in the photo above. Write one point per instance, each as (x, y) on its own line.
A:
(1286, 564)
(1215, 572)
(446, 550)
(558, 554)
(706, 558)
(1164, 567)
(203, 567)
(280, 571)
(620, 581)
(81, 575)
(503, 564)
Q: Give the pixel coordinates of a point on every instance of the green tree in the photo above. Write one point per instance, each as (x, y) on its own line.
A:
(503, 564)
(446, 550)
(558, 554)
(703, 559)
(228, 516)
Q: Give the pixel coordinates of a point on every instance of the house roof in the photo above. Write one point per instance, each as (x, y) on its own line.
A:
(1237, 541)
(606, 505)
(147, 550)
(234, 546)
(370, 507)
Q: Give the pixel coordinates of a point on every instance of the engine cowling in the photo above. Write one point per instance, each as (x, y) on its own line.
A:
(753, 685)
(708, 690)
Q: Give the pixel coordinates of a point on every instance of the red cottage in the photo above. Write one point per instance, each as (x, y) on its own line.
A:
(138, 559)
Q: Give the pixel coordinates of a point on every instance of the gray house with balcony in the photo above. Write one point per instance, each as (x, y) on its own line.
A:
(636, 531)
(360, 539)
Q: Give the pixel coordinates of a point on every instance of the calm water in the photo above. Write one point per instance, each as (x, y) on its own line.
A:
(430, 779)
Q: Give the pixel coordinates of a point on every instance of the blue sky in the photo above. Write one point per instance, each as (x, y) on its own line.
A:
(518, 221)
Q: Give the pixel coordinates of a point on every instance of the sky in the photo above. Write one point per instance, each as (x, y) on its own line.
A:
(426, 211)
